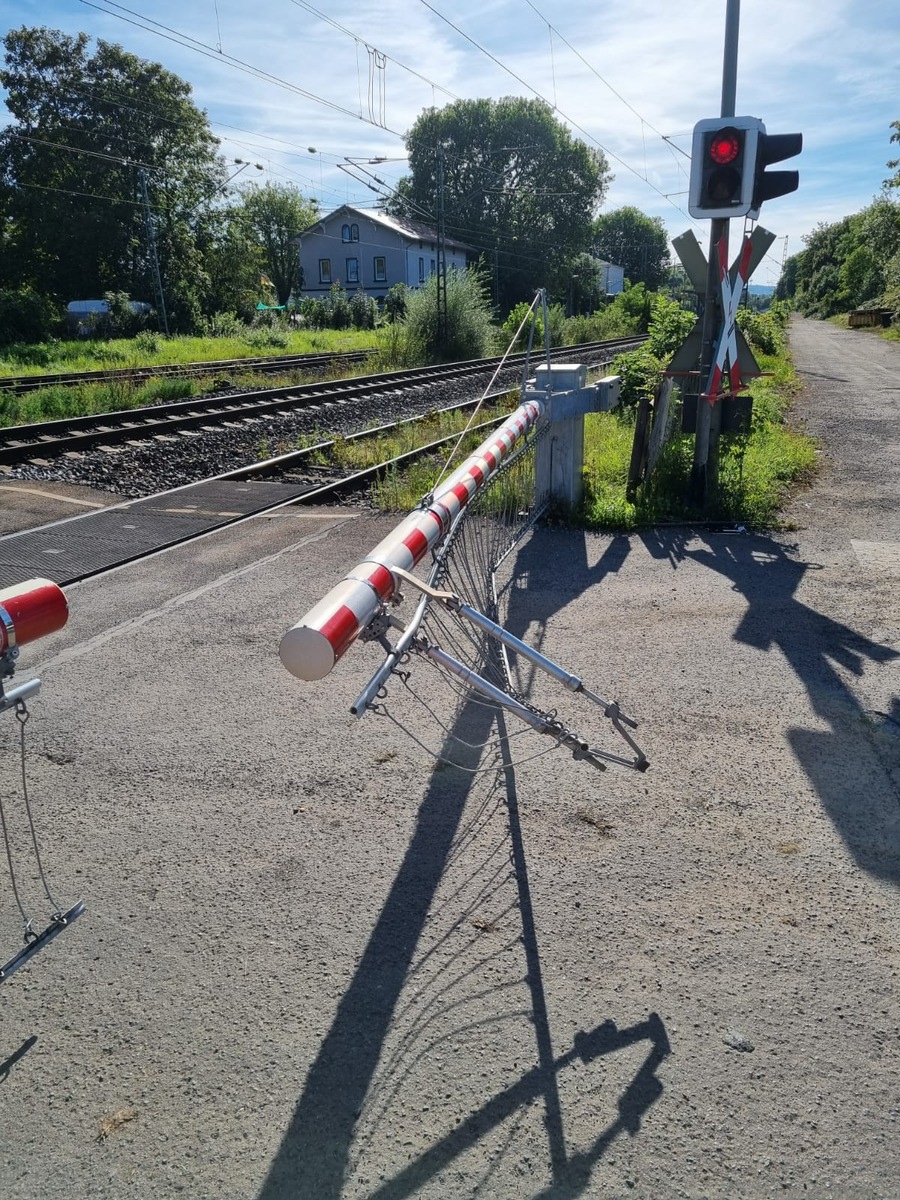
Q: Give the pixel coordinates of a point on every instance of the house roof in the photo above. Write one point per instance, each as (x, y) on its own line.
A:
(412, 230)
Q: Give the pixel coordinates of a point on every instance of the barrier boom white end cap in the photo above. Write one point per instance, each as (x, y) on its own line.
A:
(306, 653)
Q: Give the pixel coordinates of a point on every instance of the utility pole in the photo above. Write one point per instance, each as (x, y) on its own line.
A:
(704, 474)
(441, 254)
(151, 246)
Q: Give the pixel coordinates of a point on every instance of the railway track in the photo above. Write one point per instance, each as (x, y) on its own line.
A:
(21, 384)
(90, 544)
(37, 443)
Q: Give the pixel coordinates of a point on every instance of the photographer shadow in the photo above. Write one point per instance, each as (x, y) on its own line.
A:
(850, 763)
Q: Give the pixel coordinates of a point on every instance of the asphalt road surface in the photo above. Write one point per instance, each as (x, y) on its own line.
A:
(313, 967)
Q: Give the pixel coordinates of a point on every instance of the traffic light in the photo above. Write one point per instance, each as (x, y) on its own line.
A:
(723, 166)
(772, 148)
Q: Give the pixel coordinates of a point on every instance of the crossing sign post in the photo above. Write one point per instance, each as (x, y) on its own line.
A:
(726, 347)
(730, 346)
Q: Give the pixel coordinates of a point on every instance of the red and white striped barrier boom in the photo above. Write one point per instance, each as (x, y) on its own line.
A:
(29, 611)
(316, 642)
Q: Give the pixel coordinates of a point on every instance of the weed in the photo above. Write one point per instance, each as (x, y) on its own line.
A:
(115, 1121)
(603, 825)
(788, 847)
(484, 925)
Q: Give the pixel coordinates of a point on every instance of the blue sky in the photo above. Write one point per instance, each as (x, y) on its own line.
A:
(631, 77)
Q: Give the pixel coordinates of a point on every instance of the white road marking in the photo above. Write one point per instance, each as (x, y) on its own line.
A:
(6, 487)
(152, 614)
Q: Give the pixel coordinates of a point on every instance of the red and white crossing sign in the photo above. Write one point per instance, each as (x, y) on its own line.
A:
(727, 347)
(686, 359)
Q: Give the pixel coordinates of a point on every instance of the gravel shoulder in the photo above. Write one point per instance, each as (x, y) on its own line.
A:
(313, 967)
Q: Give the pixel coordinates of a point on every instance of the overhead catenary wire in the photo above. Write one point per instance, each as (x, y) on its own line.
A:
(162, 30)
(540, 96)
(189, 43)
(363, 41)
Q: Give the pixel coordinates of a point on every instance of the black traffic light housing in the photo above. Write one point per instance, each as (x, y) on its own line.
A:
(723, 166)
(772, 148)
(729, 157)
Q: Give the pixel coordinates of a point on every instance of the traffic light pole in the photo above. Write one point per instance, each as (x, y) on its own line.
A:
(704, 474)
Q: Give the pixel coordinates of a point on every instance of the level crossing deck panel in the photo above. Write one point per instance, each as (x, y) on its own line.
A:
(72, 549)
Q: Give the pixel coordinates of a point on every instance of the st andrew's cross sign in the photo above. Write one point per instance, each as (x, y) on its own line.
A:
(731, 345)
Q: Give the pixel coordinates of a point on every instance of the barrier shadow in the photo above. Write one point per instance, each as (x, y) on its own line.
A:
(313, 1157)
(838, 761)
(8, 1063)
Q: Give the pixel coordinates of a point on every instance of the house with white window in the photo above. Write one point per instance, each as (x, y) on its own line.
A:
(357, 248)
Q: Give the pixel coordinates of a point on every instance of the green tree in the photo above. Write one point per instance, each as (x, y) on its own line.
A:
(517, 188)
(585, 288)
(265, 220)
(894, 163)
(84, 127)
(631, 239)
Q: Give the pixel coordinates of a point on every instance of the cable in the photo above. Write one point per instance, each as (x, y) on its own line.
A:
(608, 85)
(543, 98)
(124, 162)
(158, 115)
(362, 41)
(94, 196)
(182, 39)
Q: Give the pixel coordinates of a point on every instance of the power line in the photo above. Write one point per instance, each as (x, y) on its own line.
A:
(189, 43)
(40, 187)
(124, 162)
(149, 110)
(362, 41)
(643, 120)
(540, 96)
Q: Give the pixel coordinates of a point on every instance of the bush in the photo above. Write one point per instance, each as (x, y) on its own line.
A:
(268, 336)
(147, 342)
(26, 316)
(395, 302)
(641, 373)
(469, 319)
(556, 320)
(642, 369)
(224, 325)
(669, 326)
(363, 310)
(314, 312)
(765, 331)
(121, 321)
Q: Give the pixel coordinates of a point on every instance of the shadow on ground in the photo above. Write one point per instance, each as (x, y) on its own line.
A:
(849, 764)
(312, 1159)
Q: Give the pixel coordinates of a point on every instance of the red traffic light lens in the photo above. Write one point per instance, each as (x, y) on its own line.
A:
(724, 146)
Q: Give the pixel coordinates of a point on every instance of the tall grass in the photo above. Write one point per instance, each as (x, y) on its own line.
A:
(144, 351)
(756, 471)
(56, 403)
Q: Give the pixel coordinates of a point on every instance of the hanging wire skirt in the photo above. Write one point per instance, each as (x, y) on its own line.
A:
(457, 629)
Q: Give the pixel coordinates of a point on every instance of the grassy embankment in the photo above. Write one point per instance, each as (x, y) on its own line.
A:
(357, 453)
(756, 471)
(149, 351)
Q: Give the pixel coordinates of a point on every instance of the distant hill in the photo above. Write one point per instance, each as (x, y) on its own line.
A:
(762, 289)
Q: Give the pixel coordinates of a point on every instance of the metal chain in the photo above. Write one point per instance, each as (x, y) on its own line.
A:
(22, 715)
(29, 932)
(494, 745)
